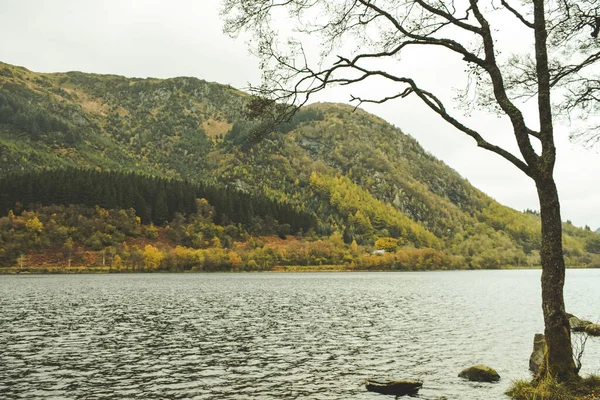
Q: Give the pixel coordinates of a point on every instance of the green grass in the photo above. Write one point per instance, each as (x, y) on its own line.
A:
(548, 389)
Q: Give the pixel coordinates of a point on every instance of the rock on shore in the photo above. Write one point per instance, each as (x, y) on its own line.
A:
(537, 356)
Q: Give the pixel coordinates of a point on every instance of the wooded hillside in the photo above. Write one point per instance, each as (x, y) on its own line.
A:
(330, 170)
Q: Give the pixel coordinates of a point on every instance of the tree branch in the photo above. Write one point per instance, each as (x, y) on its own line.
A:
(435, 104)
(521, 131)
(425, 39)
(567, 70)
(517, 14)
(450, 18)
(543, 85)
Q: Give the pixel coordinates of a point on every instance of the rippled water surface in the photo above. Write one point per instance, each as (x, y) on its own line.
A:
(272, 336)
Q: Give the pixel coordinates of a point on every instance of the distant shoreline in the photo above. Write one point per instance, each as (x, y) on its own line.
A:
(283, 270)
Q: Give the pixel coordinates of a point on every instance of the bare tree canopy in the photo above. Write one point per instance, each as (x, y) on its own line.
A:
(553, 65)
(383, 30)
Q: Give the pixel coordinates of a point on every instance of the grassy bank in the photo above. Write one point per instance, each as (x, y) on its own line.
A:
(586, 389)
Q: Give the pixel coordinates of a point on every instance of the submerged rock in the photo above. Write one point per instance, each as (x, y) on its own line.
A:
(480, 373)
(396, 388)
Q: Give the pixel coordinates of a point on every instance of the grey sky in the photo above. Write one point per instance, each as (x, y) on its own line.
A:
(183, 38)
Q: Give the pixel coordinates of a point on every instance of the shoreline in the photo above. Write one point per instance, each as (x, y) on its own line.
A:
(280, 270)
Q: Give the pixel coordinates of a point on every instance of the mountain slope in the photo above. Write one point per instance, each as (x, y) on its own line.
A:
(359, 175)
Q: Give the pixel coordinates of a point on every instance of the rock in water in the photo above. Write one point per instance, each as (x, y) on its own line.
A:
(480, 373)
(537, 355)
(576, 324)
(592, 329)
(396, 388)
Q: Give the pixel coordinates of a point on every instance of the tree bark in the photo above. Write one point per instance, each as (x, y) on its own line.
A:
(558, 361)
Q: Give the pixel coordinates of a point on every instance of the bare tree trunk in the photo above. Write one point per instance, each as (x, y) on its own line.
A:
(558, 361)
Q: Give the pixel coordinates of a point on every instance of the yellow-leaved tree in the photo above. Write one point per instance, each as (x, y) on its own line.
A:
(152, 258)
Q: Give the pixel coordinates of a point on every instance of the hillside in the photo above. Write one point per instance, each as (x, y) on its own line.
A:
(359, 176)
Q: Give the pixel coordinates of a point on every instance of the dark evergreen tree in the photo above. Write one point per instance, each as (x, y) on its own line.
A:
(154, 199)
(160, 212)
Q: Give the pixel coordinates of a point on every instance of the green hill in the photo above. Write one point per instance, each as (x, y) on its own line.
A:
(361, 177)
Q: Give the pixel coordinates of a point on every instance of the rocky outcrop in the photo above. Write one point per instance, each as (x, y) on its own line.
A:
(396, 388)
(480, 373)
(537, 355)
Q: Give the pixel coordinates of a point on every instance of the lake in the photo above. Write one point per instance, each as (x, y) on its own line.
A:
(273, 336)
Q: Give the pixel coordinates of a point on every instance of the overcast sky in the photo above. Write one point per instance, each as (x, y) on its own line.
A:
(172, 38)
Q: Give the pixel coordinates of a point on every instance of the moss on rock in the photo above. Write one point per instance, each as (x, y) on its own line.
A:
(480, 373)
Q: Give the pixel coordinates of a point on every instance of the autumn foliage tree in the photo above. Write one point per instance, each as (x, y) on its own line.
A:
(365, 40)
(152, 258)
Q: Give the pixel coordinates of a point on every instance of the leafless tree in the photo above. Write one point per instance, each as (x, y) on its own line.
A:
(358, 38)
